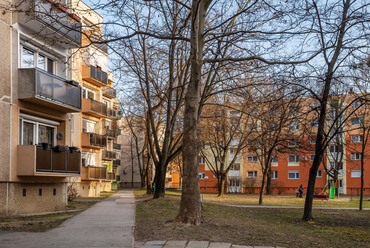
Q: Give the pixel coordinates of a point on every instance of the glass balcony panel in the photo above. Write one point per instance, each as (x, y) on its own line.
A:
(60, 90)
(74, 96)
(44, 84)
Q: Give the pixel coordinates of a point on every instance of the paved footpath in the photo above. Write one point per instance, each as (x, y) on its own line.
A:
(108, 223)
(192, 244)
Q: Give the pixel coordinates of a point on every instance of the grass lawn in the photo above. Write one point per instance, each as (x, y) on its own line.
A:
(251, 226)
(45, 222)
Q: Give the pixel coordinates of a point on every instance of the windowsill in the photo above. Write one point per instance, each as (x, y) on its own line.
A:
(293, 164)
(274, 164)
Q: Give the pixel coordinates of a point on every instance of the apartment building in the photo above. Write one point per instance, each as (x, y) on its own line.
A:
(37, 99)
(96, 126)
(293, 155)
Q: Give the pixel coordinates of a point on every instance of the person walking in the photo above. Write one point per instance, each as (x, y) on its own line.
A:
(300, 189)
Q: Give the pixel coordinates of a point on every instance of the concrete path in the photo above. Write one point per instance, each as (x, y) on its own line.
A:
(107, 224)
(191, 244)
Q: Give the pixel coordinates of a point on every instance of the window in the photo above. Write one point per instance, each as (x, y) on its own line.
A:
(88, 158)
(201, 160)
(357, 138)
(293, 143)
(319, 173)
(337, 166)
(312, 157)
(293, 174)
(355, 156)
(357, 104)
(315, 106)
(314, 123)
(274, 158)
(294, 110)
(293, 158)
(35, 130)
(252, 174)
(31, 59)
(202, 175)
(274, 174)
(236, 166)
(252, 127)
(252, 158)
(356, 173)
(88, 94)
(357, 121)
(312, 140)
(294, 126)
(231, 151)
(88, 126)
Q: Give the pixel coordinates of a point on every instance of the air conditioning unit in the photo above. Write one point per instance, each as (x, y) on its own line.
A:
(304, 158)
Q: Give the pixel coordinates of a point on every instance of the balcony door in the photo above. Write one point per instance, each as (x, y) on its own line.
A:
(88, 126)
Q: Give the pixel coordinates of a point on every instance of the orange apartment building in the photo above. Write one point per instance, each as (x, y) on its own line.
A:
(292, 161)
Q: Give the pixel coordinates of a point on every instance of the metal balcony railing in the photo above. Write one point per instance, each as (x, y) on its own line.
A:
(116, 146)
(98, 140)
(98, 107)
(110, 92)
(97, 172)
(50, 160)
(117, 162)
(98, 74)
(108, 155)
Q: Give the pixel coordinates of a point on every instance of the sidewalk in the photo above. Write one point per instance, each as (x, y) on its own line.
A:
(192, 244)
(107, 224)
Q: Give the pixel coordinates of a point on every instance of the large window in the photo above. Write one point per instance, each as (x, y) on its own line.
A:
(88, 126)
(355, 156)
(357, 121)
(35, 130)
(252, 158)
(293, 174)
(293, 158)
(357, 138)
(274, 174)
(32, 59)
(236, 166)
(252, 174)
(356, 173)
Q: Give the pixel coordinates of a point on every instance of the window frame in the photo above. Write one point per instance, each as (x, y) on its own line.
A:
(356, 171)
(37, 121)
(296, 172)
(252, 158)
(36, 53)
(274, 174)
(356, 156)
(361, 137)
(295, 158)
(254, 174)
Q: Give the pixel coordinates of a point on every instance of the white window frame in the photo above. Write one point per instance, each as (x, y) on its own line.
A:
(201, 160)
(274, 174)
(357, 121)
(252, 158)
(36, 121)
(296, 158)
(356, 174)
(312, 140)
(357, 138)
(319, 173)
(36, 52)
(253, 174)
(294, 126)
(357, 104)
(202, 175)
(275, 159)
(356, 156)
(296, 173)
(312, 156)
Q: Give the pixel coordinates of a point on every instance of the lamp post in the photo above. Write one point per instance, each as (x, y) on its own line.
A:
(206, 181)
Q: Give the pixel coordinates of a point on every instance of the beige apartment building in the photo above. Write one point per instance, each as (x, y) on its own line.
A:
(42, 94)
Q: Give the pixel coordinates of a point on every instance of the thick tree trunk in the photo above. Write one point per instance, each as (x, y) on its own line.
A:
(268, 182)
(260, 201)
(160, 180)
(190, 207)
(221, 187)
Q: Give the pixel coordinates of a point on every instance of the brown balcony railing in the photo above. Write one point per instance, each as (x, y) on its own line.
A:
(110, 133)
(117, 162)
(94, 108)
(111, 176)
(38, 84)
(109, 92)
(50, 160)
(36, 14)
(108, 155)
(116, 146)
(94, 172)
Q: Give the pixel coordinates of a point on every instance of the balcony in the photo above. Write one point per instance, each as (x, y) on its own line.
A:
(48, 90)
(234, 173)
(93, 140)
(109, 92)
(97, 40)
(112, 114)
(94, 75)
(45, 20)
(111, 176)
(108, 155)
(93, 173)
(116, 146)
(117, 162)
(94, 108)
(35, 161)
(110, 134)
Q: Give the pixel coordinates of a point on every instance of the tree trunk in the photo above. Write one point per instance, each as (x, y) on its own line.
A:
(160, 180)
(190, 206)
(268, 182)
(262, 189)
(221, 187)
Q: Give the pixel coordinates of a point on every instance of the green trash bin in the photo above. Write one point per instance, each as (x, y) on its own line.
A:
(153, 187)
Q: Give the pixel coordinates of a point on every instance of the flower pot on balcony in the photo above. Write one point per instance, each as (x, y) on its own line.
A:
(60, 148)
(75, 17)
(61, 7)
(45, 146)
(73, 149)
